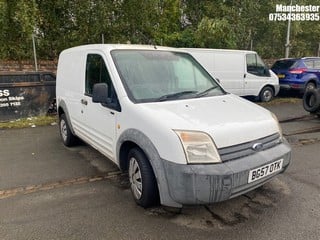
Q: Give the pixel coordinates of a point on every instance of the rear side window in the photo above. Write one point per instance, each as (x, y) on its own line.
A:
(312, 64)
(256, 66)
(309, 64)
(317, 64)
(283, 64)
(96, 72)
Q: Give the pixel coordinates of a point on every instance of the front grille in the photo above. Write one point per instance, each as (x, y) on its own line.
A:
(245, 149)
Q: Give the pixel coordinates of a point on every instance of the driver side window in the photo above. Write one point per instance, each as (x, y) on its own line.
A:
(256, 66)
(96, 72)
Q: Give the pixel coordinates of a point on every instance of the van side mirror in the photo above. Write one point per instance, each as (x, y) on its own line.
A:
(100, 93)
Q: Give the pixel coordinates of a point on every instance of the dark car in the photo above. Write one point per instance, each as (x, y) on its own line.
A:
(298, 73)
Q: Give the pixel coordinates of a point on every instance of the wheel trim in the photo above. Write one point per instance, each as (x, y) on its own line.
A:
(267, 95)
(310, 86)
(135, 178)
(63, 130)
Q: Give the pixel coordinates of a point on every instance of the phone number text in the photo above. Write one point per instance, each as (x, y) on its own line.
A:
(294, 16)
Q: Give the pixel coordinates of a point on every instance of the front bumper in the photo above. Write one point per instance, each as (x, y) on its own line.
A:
(204, 184)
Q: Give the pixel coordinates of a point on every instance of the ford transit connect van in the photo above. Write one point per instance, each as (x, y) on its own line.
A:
(240, 72)
(157, 114)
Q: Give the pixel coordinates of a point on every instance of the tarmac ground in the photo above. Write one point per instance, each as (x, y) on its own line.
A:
(48, 191)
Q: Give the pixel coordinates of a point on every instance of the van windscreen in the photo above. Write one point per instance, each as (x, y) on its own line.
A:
(156, 75)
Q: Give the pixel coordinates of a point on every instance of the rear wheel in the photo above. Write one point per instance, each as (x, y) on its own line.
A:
(142, 180)
(309, 86)
(266, 94)
(67, 136)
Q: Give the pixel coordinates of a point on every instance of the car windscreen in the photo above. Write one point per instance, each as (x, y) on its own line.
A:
(156, 75)
(283, 64)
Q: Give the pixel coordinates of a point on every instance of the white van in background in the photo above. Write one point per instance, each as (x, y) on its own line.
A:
(240, 72)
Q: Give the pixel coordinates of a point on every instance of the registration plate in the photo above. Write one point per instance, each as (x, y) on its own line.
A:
(281, 75)
(265, 170)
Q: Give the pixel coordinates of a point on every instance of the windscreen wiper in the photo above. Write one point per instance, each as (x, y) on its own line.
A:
(206, 92)
(174, 95)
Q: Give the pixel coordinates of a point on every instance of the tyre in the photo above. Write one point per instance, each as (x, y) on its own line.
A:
(311, 100)
(67, 136)
(142, 180)
(266, 94)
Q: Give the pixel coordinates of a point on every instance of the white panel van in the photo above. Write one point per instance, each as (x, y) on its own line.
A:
(158, 115)
(240, 72)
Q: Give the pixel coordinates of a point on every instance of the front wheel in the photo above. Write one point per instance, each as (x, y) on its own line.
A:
(266, 94)
(142, 180)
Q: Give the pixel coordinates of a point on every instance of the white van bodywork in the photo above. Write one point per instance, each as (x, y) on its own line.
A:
(240, 72)
(156, 113)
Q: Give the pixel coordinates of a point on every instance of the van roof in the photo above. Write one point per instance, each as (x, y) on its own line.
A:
(109, 47)
(295, 59)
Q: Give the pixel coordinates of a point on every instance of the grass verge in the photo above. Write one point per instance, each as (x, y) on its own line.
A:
(29, 122)
(279, 100)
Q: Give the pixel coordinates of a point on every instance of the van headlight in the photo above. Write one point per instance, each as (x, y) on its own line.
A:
(278, 124)
(198, 147)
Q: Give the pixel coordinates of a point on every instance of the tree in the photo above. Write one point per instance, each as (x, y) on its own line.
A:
(55, 27)
(239, 24)
(214, 33)
(18, 23)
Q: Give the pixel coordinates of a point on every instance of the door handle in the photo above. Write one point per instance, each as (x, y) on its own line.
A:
(84, 102)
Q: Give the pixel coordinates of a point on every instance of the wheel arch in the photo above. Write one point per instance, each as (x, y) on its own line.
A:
(123, 153)
(312, 80)
(62, 109)
(266, 86)
(134, 138)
